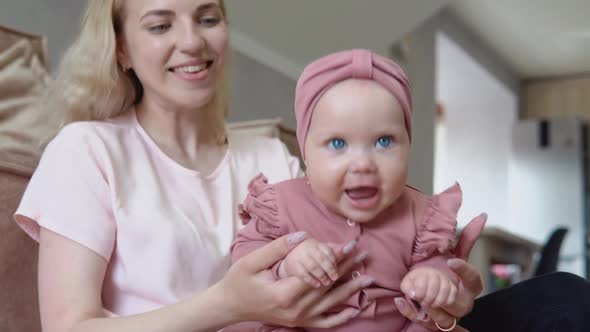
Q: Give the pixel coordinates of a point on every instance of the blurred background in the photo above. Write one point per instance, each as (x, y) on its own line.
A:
(501, 90)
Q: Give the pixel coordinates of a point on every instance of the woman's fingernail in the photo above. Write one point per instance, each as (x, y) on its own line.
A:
(485, 216)
(400, 303)
(361, 257)
(454, 262)
(295, 238)
(412, 294)
(348, 247)
(367, 282)
(423, 316)
(355, 313)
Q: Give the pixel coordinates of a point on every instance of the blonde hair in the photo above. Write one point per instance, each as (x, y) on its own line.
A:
(92, 85)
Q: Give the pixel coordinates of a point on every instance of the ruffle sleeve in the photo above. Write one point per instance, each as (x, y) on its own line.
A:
(260, 206)
(259, 214)
(435, 233)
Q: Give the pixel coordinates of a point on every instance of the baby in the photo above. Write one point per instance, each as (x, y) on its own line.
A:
(353, 111)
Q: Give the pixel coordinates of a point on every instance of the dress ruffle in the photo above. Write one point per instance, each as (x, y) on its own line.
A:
(436, 234)
(260, 206)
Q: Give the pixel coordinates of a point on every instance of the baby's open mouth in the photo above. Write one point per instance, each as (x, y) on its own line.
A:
(361, 192)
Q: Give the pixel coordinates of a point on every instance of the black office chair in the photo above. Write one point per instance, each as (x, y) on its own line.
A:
(549, 257)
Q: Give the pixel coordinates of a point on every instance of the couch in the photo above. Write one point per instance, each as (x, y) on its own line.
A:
(23, 74)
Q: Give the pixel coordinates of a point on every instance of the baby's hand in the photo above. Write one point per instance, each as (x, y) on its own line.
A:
(429, 287)
(312, 261)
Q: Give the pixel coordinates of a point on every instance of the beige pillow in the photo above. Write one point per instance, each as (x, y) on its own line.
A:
(23, 75)
(9, 37)
(272, 127)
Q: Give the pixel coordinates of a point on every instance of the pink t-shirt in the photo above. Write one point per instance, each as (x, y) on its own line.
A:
(164, 230)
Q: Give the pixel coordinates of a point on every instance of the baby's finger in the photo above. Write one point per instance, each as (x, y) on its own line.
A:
(315, 269)
(433, 285)
(328, 252)
(420, 288)
(305, 275)
(407, 287)
(326, 259)
(443, 293)
(452, 294)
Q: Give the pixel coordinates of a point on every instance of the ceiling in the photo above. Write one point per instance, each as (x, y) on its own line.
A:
(537, 38)
(287, 34)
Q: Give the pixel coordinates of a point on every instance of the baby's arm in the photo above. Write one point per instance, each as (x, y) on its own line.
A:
(311, 261)
(430, 287)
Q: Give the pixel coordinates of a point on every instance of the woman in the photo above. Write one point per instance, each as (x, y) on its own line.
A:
(135, 210)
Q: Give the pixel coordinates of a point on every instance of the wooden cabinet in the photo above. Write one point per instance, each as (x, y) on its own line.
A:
(554, 98)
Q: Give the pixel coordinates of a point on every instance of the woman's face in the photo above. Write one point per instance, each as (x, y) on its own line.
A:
(177, 49)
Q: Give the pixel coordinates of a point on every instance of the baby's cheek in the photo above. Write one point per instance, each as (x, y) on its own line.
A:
(326, 190)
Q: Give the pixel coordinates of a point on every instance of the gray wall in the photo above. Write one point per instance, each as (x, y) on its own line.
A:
(260, 92)
(485, 55)
(256, 91)
(420, 67)
(58, 20)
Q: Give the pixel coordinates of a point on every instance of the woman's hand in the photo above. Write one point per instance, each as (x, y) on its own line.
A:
(252, 294)
(469, 287)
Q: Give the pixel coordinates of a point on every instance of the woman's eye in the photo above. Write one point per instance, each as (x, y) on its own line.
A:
(159, 28)
(209, 20)
(384, 141)
(337, 143)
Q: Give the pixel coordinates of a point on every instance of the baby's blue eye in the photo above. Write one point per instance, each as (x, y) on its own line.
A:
(384, 141)
(337, 143)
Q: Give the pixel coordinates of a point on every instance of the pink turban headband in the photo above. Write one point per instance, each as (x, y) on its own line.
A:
(320, 75)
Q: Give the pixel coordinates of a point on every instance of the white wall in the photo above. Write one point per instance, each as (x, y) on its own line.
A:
(525, 189)
(546, 187)
(475, 148)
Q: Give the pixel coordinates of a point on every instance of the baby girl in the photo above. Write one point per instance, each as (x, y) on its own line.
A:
(353, 111)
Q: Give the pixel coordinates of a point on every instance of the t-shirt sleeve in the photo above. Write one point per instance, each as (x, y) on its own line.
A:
(69, 192)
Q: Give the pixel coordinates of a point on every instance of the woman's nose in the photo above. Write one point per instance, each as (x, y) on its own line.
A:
(191, 40)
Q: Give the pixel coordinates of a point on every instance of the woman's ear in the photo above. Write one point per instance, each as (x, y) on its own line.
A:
(122, 55)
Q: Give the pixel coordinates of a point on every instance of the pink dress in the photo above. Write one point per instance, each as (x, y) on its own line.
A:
(418, 230)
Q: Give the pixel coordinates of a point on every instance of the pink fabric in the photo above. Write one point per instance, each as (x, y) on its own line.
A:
(164, 230)
(320, 75)
(416, 231)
